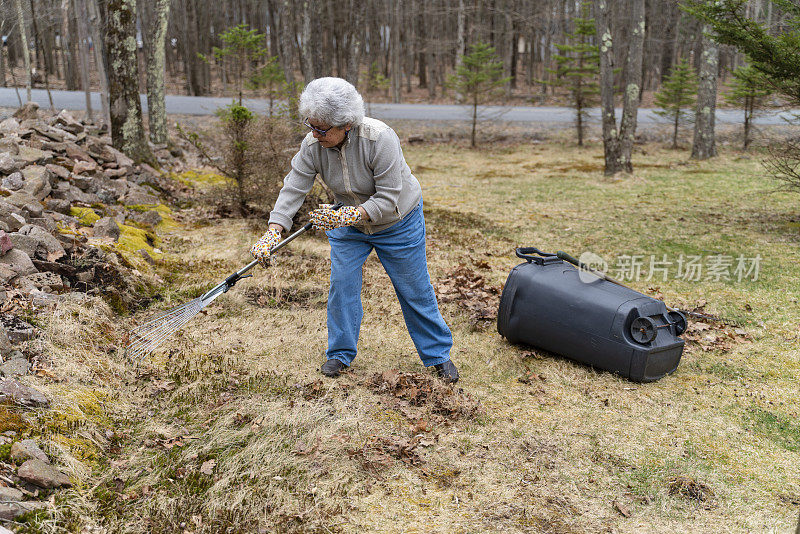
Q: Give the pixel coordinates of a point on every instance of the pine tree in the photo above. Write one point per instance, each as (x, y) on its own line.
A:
(578, 68)
(243, 46)
(478, 79)
(271, 78)
(748, 91)
(677, 95)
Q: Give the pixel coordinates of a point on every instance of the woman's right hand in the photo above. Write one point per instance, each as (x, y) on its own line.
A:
(262, 249)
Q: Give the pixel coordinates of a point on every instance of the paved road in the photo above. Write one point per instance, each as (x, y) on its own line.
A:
(194, 105)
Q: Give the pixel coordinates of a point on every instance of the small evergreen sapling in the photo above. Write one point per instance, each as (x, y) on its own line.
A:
(478, 79)
(578, 69)
(748, 91)
(677, 96)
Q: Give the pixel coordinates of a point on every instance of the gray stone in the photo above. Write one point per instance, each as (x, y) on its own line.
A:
(15, 367)
(43, 475)
(45, 221)
(10, 494)
(59, 205)
(139, 196)
(46, 279)
(150, 218)
(25, 243)
(17, 329)
(27, 449)
(10, 125)
(32, 210)
(13, 510)
(13, 181)
(58, 170)
(49, 248)
(117, 188)
(67, 122)
(5, 343)
(115, 173)
(29, 111)
(10, 144)
(29, 156)
(52, 146)
(6, 276)
(122, 159)
(17, 261)
(20, 198)
(37, 181)
(106, 227)
(13, 221)
(5, 243)
(84, 198)
(8, 164)
(85, 183)
(63, 191)
(13, 391)
(84, 167)
(78, 154)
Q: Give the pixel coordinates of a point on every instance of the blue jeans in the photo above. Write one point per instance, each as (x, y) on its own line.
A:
(401, 250)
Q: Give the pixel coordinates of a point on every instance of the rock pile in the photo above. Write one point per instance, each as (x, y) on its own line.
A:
(76, 215)
(68, 199)
(31, 474)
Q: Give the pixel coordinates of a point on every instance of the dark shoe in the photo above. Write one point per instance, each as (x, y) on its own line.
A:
(332, 368)
(447, 372)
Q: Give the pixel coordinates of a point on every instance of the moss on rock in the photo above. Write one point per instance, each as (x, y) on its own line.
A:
(86, 216)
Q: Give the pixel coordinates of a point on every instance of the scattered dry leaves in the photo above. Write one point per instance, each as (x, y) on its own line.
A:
(422, 390)
(469, 289)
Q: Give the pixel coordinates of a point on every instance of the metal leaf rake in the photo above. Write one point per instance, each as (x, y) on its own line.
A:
(144, 339)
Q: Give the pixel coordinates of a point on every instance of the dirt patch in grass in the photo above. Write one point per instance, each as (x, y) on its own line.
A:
(689, 488)
(405, 390)
(381, 452)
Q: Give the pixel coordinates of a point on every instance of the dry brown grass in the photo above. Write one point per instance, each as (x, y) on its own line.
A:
(231, 429)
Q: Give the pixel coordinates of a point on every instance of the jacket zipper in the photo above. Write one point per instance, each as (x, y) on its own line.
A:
(346, 176)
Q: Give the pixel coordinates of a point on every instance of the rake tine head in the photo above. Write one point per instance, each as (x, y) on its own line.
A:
(146, 338)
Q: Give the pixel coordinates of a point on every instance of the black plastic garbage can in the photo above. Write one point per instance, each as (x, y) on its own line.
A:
(546, 304)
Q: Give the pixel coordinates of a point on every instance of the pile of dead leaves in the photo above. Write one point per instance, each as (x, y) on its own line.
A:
(469, 289)
(410, 391)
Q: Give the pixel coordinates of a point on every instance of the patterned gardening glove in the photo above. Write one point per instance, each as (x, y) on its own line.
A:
(325, 218)
(263, 247)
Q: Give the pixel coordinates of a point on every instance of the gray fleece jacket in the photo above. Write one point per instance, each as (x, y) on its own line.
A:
(369, 171)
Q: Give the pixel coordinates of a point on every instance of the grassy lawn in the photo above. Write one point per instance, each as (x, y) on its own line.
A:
(231, 428)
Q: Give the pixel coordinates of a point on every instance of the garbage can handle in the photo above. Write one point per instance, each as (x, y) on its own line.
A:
(541, 259)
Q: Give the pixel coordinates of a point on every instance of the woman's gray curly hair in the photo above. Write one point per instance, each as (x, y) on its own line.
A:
(332, 101)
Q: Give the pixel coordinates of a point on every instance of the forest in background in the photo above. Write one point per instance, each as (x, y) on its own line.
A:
(400, 51)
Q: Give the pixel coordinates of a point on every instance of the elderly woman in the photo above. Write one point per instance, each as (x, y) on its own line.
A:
(361, 161)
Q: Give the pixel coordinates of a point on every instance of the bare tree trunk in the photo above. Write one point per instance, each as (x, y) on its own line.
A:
(356, 38)
(633, 83)
(460, 42)
(156, 70)
(99, 57)
(127, 132)
(26, 55)
(286, 41)
(306, 49)
(2, 66)
(618, 145)
(611, 148)
(395, 47)
(704, 146)
(83, 48)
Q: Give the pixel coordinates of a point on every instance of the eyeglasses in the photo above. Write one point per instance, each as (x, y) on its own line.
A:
(320, 131)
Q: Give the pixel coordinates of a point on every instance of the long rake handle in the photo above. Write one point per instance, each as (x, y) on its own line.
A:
(235, 277)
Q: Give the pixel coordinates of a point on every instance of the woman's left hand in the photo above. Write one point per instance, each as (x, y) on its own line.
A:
(325, 218)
